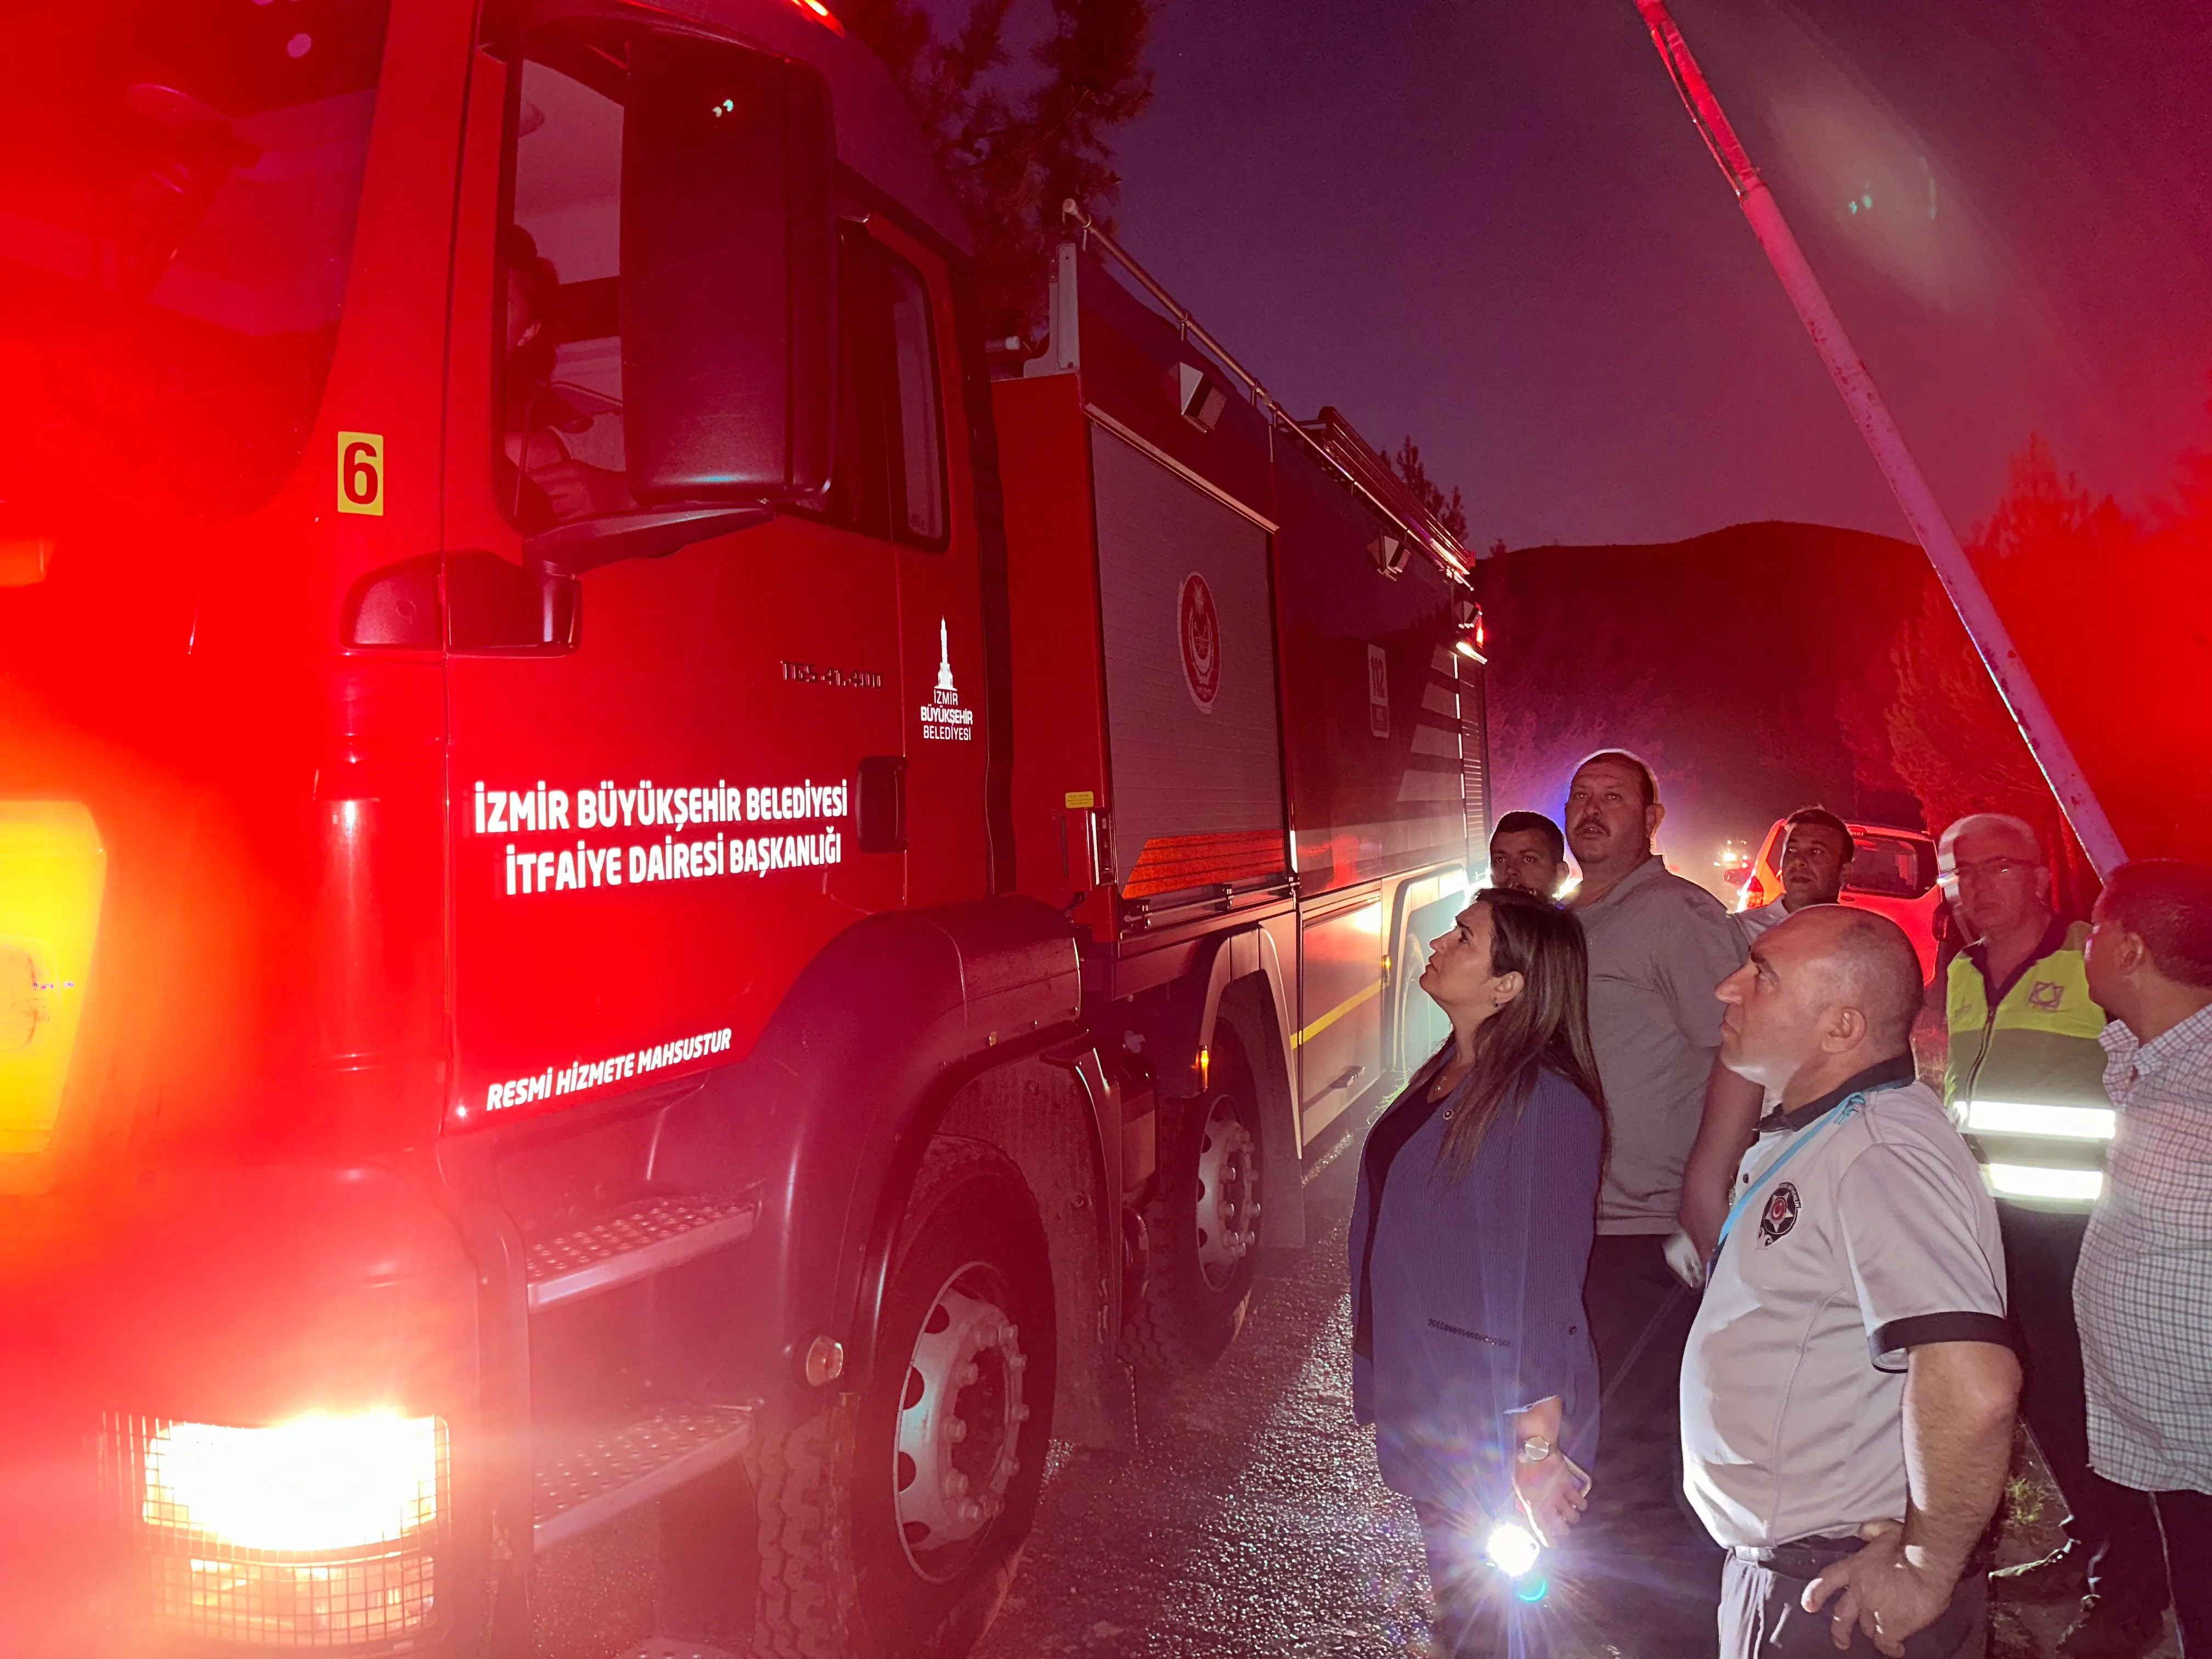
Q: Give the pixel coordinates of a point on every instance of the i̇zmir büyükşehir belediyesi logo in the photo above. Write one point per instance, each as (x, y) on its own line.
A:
(943, 719)
(1199, 625)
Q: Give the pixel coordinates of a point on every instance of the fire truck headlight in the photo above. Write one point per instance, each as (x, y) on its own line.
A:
(322, 1532)
(319, 1484)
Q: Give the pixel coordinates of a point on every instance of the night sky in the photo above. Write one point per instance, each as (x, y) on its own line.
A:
(1491, 226)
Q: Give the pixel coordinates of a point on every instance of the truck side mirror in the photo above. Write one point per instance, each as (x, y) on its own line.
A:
(729, 274)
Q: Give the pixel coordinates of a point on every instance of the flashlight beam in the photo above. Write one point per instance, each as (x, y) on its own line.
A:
(1512, 1549)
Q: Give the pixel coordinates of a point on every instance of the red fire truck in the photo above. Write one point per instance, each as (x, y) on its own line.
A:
(624, 881)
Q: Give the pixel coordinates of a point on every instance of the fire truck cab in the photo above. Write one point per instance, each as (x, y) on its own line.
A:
(624, 884)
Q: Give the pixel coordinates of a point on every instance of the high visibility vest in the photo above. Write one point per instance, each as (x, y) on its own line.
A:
(2026, 1080)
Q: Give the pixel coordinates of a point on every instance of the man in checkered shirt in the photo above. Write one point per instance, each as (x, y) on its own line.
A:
(2142, 1291)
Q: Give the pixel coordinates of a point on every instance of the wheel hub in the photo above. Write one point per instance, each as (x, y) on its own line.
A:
(959, 1422)
(1228, 1192)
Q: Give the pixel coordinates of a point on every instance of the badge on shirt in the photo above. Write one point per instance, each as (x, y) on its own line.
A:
(1780, 1214)
(2045, 995)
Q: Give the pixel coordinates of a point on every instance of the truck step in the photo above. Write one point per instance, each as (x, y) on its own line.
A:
(587, 1482)
(645, 1237)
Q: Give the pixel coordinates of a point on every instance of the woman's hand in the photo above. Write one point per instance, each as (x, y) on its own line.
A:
(1552, 1492)
(1552, 1495)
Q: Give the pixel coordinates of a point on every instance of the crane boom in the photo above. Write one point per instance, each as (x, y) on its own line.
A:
(1930, 528)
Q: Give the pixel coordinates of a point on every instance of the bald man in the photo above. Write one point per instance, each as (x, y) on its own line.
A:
(1850, 1385)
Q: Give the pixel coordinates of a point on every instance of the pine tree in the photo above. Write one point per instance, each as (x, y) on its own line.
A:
(1450, 510)
(1014, 152)
(2106, 611)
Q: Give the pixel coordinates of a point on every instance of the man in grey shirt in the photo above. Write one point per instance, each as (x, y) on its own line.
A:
(1658, 947)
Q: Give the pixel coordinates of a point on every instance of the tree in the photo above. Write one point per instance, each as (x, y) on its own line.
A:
(2188, 516)
(1011, 152)
(1451, 511)
(1950, 736)
(1536, 742)
(2107, 612)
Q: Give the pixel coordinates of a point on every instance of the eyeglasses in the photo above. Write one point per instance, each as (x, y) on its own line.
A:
(1991, 870)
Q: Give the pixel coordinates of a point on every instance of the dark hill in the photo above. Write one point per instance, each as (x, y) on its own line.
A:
(1749, 665)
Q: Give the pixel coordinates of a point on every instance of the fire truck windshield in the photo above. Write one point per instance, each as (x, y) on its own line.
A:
(177, 186)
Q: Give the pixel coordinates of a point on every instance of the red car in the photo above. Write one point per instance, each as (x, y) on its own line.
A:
(1893, 872)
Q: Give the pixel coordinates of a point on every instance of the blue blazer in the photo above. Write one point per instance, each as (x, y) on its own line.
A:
(1473, 1295)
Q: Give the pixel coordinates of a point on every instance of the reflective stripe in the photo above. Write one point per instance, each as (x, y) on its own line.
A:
(2033, 1180)
(2028, 1076)
(2021, 1117)
(1336, 1014)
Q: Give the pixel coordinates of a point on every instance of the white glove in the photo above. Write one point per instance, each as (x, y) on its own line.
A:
(1682, 1256)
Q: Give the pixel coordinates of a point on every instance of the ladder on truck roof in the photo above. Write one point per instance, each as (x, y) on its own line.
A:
(1330, 437)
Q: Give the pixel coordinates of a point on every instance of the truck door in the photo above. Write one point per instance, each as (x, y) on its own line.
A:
(914, 368)
(656, 825)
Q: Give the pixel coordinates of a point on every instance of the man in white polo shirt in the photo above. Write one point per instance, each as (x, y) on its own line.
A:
(1848, 1392)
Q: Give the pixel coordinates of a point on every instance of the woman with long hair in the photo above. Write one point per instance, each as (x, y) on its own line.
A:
(1478, 1196)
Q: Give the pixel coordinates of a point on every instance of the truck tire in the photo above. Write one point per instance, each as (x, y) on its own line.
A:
(1203, 1223)
(890, 1526)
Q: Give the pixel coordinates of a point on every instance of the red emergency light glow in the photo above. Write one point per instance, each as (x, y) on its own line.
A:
(1466, 617)
(820, 13)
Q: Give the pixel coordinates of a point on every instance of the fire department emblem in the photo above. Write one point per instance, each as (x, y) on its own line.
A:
(1199, 625)
(1780, 1214)
(2045, 996)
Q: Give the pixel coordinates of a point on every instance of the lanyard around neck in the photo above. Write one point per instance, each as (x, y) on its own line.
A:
(1804, 1138)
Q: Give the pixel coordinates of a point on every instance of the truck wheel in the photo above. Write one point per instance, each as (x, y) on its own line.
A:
(891, 1526)
(1204, 1224)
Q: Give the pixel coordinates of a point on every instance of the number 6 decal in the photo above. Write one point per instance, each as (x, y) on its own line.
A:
(361, 472)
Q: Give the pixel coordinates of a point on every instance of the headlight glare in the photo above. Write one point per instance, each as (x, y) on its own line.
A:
(324, 1531)
(317, 1484)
